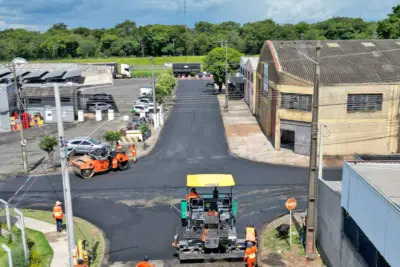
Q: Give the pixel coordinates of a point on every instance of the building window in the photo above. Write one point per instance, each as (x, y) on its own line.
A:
(296, 101)
(364, 102)
(361, 242)
(35, 101)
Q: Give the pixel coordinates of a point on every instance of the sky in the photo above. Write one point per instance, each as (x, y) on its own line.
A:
(39, 15)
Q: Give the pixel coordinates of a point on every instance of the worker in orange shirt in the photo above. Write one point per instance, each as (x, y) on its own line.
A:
(251, 234)
(192, 194)
(58, 215)
(133, 151)
(250, 255)
(145, 263)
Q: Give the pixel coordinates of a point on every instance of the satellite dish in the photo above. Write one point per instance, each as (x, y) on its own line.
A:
(19, 61)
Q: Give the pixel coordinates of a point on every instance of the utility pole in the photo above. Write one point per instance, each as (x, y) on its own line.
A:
(311, 209)
(155, 119)
(65, 176)
(21, 129)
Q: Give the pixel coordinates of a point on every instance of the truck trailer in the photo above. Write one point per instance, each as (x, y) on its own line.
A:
(184, 69)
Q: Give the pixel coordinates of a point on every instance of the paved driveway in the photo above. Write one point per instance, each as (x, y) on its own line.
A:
(133, 208)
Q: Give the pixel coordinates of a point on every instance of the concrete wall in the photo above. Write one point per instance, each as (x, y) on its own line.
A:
(334, 247)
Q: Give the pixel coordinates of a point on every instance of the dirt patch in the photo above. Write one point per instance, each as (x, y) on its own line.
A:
(242, 129)
(277, 252)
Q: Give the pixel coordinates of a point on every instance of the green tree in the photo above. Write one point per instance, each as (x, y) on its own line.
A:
(164, 87)
(215, 63)
(47, 143)
(87, 48)
(390, 28)
(112, 136)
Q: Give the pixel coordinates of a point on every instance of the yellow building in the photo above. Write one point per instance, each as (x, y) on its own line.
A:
(359, 95)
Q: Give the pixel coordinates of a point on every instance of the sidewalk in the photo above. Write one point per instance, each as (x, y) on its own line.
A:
(57, 241)
(246, 140)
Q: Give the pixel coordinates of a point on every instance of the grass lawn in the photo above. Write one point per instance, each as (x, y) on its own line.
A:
(82, 230)
(276, 251)
(146, 73)
(41, 252)
(133, 60)
(41, 247)
(3, 254)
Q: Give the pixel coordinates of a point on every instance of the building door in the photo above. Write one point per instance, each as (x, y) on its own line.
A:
(301, 138)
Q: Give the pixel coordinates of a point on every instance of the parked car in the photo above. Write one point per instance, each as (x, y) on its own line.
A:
(146, 90)
(99, 106)
(150, 97)
(139, 108)
(106, 98)
(84, 145)
(144, 101)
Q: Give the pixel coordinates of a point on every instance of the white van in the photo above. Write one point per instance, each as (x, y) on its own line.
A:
(146, 90)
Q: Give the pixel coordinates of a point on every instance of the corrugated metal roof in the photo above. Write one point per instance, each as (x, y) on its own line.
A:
(73, 73)
(35, 74)
(17, 73)
(54, 74)
(348, 62)
(4, 71)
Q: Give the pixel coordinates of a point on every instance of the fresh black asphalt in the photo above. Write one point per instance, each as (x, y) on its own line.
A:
(133, 208)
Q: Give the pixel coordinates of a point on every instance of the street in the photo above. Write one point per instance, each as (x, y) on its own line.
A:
(133, 208)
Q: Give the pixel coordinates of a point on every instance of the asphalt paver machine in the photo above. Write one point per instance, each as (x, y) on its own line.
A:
(208, 229)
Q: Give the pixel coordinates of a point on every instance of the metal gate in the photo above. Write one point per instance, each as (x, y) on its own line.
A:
(302, 133)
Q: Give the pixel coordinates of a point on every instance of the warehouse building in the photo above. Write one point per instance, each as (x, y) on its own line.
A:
(41, 76)
(358, 217)
(359, 95)
(250, 74)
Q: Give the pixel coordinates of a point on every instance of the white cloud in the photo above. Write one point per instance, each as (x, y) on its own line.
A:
(4, 25)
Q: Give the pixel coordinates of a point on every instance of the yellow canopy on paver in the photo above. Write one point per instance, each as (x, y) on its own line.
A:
(210, 180)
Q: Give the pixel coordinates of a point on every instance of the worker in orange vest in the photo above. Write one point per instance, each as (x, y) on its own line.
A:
(250, 255)
(192, 194)
(251, 234)
(58, 215)
(133, 151)
(145, 263)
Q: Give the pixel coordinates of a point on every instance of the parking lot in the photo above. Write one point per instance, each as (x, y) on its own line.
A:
(124, 92)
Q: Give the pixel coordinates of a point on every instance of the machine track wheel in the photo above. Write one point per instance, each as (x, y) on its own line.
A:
(87, 173)
(123, 165)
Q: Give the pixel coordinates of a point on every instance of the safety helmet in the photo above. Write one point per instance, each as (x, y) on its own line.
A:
(146, 258)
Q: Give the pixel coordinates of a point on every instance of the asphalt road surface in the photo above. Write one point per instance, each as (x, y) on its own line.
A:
(133, 208)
